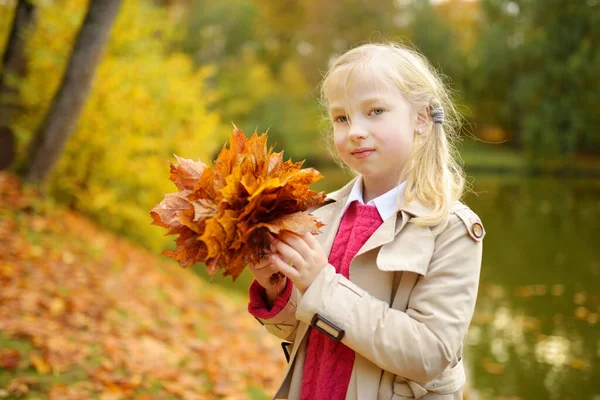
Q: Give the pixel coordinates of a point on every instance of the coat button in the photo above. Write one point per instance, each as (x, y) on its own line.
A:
(477, 230)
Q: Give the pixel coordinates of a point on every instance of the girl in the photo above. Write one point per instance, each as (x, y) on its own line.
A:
(378, 305)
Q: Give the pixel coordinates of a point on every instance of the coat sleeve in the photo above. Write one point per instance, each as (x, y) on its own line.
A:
(420, 343)
(280, 320)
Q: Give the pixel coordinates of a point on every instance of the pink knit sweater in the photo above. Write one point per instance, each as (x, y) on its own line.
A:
(328, 364)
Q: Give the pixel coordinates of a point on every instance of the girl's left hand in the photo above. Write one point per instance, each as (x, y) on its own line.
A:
(305, 255)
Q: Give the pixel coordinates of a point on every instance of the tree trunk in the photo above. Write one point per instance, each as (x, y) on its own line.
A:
(68, 102)
(13, 59)
(7, 147)
(13, 67)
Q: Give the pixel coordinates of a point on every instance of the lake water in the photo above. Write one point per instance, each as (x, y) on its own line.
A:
(536, 330)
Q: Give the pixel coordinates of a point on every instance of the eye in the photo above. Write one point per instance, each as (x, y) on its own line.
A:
(377, 111)
(340, 119)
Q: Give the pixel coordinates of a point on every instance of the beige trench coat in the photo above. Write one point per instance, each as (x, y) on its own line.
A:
(404, 311)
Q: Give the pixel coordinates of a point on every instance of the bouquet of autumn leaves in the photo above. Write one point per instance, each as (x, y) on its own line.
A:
(224, 214)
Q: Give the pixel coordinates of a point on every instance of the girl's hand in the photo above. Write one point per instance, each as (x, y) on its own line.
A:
(262, 273)
(300, 258)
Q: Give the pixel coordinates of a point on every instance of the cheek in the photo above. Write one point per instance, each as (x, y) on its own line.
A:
(339, 142)
(410, 141)
(408, 145)
(402, 143)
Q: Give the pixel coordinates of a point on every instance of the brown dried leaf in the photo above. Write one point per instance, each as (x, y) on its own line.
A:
(203, 209)
(186, 173)
(166, 213)
(299, 223)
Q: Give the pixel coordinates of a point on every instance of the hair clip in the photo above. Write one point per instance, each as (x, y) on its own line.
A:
(437, 114)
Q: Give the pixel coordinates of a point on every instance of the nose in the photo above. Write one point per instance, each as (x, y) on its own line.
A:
(358, 131)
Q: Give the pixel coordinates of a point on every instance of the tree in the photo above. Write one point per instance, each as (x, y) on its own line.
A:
(539, 74)
(14, 55)
(13, 61)
(69, 100)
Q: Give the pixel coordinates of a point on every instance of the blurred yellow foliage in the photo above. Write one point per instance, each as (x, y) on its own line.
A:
(147, 103)
(243, 87)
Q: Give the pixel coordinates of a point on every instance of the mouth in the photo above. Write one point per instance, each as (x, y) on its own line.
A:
(362, 152)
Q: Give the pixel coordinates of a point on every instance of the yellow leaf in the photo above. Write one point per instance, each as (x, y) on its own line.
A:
(40, 364)
(57, 306)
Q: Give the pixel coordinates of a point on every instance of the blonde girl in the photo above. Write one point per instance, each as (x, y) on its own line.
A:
(378, 305)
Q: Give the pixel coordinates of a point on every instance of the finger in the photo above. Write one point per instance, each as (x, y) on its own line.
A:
(262, 264)
(288, 253)
(260, 271)
(312, 241)
(257, 274)
(283, 267)
(297, 242)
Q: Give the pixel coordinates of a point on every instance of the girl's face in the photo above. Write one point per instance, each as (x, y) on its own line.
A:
(373, 126)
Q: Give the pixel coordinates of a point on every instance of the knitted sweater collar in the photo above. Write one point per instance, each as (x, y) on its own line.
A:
(385, 204)
(415, 207)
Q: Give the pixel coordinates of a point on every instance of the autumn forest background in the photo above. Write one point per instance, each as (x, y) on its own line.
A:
(97, 96)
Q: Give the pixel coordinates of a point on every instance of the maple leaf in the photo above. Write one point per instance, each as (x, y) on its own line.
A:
(224, 214)
(186, 173)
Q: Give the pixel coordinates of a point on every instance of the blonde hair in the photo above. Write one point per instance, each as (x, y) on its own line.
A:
(433, 171)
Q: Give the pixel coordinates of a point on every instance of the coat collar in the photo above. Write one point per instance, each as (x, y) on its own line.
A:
(330, 213)
(415, 208)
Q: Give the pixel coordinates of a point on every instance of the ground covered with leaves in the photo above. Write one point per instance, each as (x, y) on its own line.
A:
(85, 314)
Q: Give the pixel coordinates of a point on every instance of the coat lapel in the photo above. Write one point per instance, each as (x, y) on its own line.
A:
(385, 233)
(393, 225)
(330, 215)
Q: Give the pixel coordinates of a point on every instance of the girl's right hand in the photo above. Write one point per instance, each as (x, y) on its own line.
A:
(262, 273)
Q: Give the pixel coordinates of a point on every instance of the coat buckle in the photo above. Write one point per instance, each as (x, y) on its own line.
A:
(327, 327)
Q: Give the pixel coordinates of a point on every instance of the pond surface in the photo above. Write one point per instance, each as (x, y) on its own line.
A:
(536, 329)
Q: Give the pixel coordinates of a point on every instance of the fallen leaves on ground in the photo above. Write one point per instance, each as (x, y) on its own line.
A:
(223, 214)
(133, 325)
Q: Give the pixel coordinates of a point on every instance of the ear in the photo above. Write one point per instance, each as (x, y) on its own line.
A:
(422, 118)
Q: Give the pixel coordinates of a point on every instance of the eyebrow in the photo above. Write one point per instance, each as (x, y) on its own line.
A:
(363, 103)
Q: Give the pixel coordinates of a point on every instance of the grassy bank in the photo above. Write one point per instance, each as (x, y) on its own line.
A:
(502, 159)
(87, 314)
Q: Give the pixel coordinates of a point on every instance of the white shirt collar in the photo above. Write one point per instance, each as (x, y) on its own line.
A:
(386, 204)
